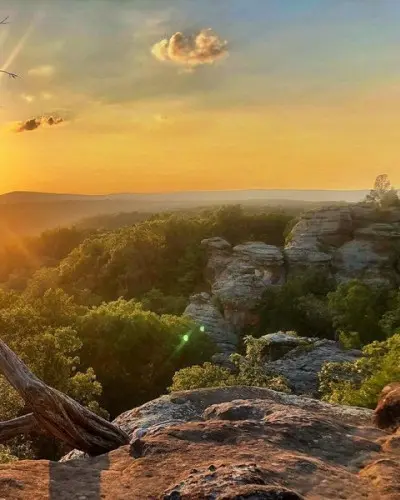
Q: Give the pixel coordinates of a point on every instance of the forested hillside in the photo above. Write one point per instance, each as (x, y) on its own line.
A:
(97, 313)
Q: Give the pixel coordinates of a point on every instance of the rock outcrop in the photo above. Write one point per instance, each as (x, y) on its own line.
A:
(204, 311)
(387, 413)
(349, 242)
(239, 276)
(300, 359)
(231, 443)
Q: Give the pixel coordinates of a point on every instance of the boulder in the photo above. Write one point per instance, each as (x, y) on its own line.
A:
(228, 443)
(251, 269)
(316, 234)
(238, 277)
(360, 259)
(203, 310)
(387, 413)
(303, 358)
(219, 253)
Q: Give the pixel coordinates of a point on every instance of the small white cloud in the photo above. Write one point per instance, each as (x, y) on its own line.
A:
(42, 71)
(28, 98)
(204, 48)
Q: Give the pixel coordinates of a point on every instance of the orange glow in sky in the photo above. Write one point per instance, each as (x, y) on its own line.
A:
(303, 98)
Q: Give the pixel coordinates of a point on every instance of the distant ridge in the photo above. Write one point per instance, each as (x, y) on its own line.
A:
(318, 195)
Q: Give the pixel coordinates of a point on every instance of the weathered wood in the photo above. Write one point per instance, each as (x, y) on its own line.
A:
(17, 426)
(58, 414)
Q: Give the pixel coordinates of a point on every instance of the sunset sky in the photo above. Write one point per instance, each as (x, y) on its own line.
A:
(305, 95)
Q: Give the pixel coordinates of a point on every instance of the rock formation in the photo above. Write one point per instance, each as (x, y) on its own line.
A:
(300, 359)
(239, 276)
(230, 443)
(348, 242)
(204, 311)
(387, 413)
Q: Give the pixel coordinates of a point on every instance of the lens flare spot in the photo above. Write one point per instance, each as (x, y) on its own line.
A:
(185, 338)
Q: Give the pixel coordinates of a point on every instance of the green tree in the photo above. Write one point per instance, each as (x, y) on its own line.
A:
(357, 307)
(360, 383)
(136, 352)
(383, 193)
(300, 305)
(390, 322)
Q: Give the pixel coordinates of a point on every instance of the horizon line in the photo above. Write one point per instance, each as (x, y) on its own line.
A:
(121, 193)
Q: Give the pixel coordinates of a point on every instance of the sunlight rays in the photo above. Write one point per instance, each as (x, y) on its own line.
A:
(20, 44)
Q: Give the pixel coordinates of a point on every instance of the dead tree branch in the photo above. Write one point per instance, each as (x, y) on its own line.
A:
(17, 426)
(56, 413)
(11, 75)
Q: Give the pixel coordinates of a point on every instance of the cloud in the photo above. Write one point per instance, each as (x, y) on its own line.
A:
(35, 123)
(28, 98)
(191, 51)
(44, 71)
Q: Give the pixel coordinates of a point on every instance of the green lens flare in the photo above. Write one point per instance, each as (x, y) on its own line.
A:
(202, 328)
(185, 338)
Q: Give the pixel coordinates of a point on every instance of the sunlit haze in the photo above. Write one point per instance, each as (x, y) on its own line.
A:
(294, 94)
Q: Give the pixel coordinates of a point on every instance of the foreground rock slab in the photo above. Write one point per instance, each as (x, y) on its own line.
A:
(231, 443)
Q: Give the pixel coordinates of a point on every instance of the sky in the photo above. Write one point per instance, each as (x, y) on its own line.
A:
(281, 94)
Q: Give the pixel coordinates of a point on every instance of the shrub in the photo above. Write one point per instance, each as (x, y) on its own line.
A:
(249, 371)
(360, 383)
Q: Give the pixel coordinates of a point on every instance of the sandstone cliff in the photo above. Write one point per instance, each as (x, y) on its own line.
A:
(348, 242)
(231, 443)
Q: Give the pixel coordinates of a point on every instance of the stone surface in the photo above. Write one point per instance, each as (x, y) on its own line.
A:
(315, 236)
(231, 443)
(239, 277)
(203, 310)
(302, 364)
(350, 242)
(387, 413)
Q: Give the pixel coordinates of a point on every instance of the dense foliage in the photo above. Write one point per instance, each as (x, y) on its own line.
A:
(359, 383)
(146, 261)
(135, 353)
(97, 313)
(300, 304)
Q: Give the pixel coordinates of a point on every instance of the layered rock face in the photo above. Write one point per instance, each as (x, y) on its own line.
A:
(230, 444)
(348, 242)
(300, 359)
(204, 311)
(351, 242)
(239, 276)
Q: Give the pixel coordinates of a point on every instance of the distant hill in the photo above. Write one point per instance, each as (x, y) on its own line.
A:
(29, 213)
(193, 196)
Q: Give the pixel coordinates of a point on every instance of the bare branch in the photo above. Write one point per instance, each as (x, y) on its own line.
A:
(58, 414)
(21, 425)
(11, 75)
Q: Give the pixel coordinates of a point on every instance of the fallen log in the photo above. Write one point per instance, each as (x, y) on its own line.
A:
(55, 413)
